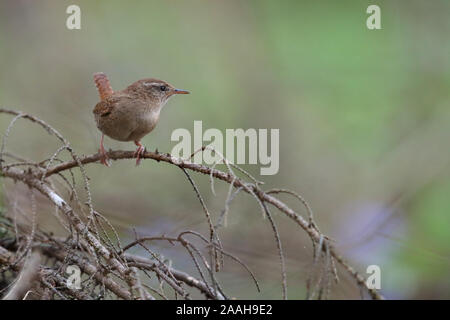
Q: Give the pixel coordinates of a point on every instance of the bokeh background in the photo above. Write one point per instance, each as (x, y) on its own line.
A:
(364, 119)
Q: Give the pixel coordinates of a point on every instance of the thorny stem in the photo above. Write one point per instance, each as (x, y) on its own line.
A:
(35, 177)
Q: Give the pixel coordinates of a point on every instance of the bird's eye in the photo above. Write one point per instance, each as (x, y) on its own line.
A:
(163, 88)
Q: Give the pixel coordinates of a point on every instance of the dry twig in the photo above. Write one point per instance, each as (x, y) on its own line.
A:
(103, 260)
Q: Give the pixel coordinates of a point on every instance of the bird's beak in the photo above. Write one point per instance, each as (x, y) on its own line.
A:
(179, 91)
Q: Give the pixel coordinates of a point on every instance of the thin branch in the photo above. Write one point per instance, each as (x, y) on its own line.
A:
(36, 177)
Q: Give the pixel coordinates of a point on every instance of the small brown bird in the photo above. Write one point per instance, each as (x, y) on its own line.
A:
(132, 113)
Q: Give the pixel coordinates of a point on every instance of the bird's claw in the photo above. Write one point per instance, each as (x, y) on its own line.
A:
(104, 158)
(140, 151)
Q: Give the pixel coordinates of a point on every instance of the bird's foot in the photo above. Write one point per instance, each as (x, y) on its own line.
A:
(140, 151)
(104, 157)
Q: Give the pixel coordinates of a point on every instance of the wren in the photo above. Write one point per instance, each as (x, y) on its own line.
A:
(132, 113)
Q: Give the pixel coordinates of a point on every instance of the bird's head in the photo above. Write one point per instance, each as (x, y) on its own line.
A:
(155, 90)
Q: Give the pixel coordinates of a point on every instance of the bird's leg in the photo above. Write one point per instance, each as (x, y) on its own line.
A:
(139, 152)
(104, 158)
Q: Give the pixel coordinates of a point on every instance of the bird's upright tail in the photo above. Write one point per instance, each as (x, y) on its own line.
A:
(102, 84)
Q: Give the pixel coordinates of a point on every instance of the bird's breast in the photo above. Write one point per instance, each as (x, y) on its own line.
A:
(148, 118)
(145, 121)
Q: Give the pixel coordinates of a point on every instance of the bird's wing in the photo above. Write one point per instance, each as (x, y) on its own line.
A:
(103, 108)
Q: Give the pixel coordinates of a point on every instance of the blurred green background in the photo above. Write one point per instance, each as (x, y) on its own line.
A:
(364, 119)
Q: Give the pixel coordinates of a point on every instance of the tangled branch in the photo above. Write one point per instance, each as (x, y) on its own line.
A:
(106, 267)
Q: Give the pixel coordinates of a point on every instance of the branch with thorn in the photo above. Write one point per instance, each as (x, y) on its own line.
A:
(89, 238)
